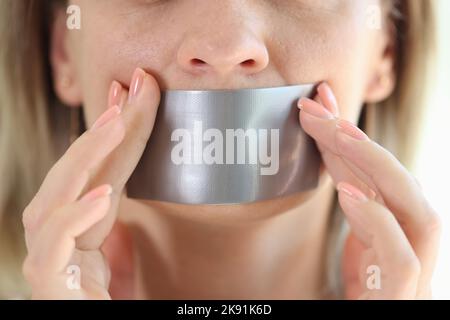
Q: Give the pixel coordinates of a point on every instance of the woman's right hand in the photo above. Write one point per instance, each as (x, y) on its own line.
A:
(75, 209)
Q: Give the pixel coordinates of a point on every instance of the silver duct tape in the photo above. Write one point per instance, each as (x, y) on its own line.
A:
(220, 147)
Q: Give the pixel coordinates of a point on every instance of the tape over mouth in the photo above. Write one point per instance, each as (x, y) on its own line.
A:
(190, 157)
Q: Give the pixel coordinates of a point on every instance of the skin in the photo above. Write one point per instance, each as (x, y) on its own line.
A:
(273, 249)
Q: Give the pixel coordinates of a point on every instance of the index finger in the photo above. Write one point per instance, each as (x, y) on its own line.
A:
(68, 177)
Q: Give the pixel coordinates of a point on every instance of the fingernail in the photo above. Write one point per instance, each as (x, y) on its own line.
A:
(114, 93)
(106, 117)
(351, 191)
(325, 90)
(136, 83)
(314, 108)
(351, 130)
(99, 192)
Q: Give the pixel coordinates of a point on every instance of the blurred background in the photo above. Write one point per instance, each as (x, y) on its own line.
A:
(433, 166)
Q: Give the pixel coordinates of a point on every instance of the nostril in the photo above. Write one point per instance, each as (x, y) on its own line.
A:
(197, 62)
(248, 63)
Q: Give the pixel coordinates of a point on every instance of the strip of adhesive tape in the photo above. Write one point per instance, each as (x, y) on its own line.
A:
(227, 147)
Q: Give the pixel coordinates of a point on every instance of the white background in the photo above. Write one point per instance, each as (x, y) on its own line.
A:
(433, 168)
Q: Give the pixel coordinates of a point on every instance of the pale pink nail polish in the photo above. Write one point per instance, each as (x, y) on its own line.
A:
(325, 90)
(352, 191)
(351, 130)
(136, 82)
(315, 109)
(107, 116)
(114, 93)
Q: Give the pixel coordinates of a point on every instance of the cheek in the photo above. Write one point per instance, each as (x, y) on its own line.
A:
(352, 70)
(339, 50)
(111, 50)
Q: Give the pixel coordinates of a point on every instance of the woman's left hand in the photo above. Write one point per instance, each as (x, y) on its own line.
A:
(392, 247)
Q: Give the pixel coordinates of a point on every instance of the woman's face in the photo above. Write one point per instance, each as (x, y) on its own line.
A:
(216, 44)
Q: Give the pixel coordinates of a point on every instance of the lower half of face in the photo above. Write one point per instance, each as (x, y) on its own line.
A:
(196, 44)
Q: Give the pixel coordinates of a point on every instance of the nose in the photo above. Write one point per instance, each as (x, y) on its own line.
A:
(222, 49)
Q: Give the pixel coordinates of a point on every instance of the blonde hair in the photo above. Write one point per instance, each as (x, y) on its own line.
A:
(31, 117)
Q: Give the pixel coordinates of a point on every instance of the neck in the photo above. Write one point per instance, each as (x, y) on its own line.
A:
(268, 251)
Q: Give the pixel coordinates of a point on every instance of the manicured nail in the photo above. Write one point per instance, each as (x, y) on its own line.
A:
(351, 191)
(351, 130)
(313, 108)
(97, 193)
(106, 117)
(325, 90)
(136, 82)
(115, 93)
